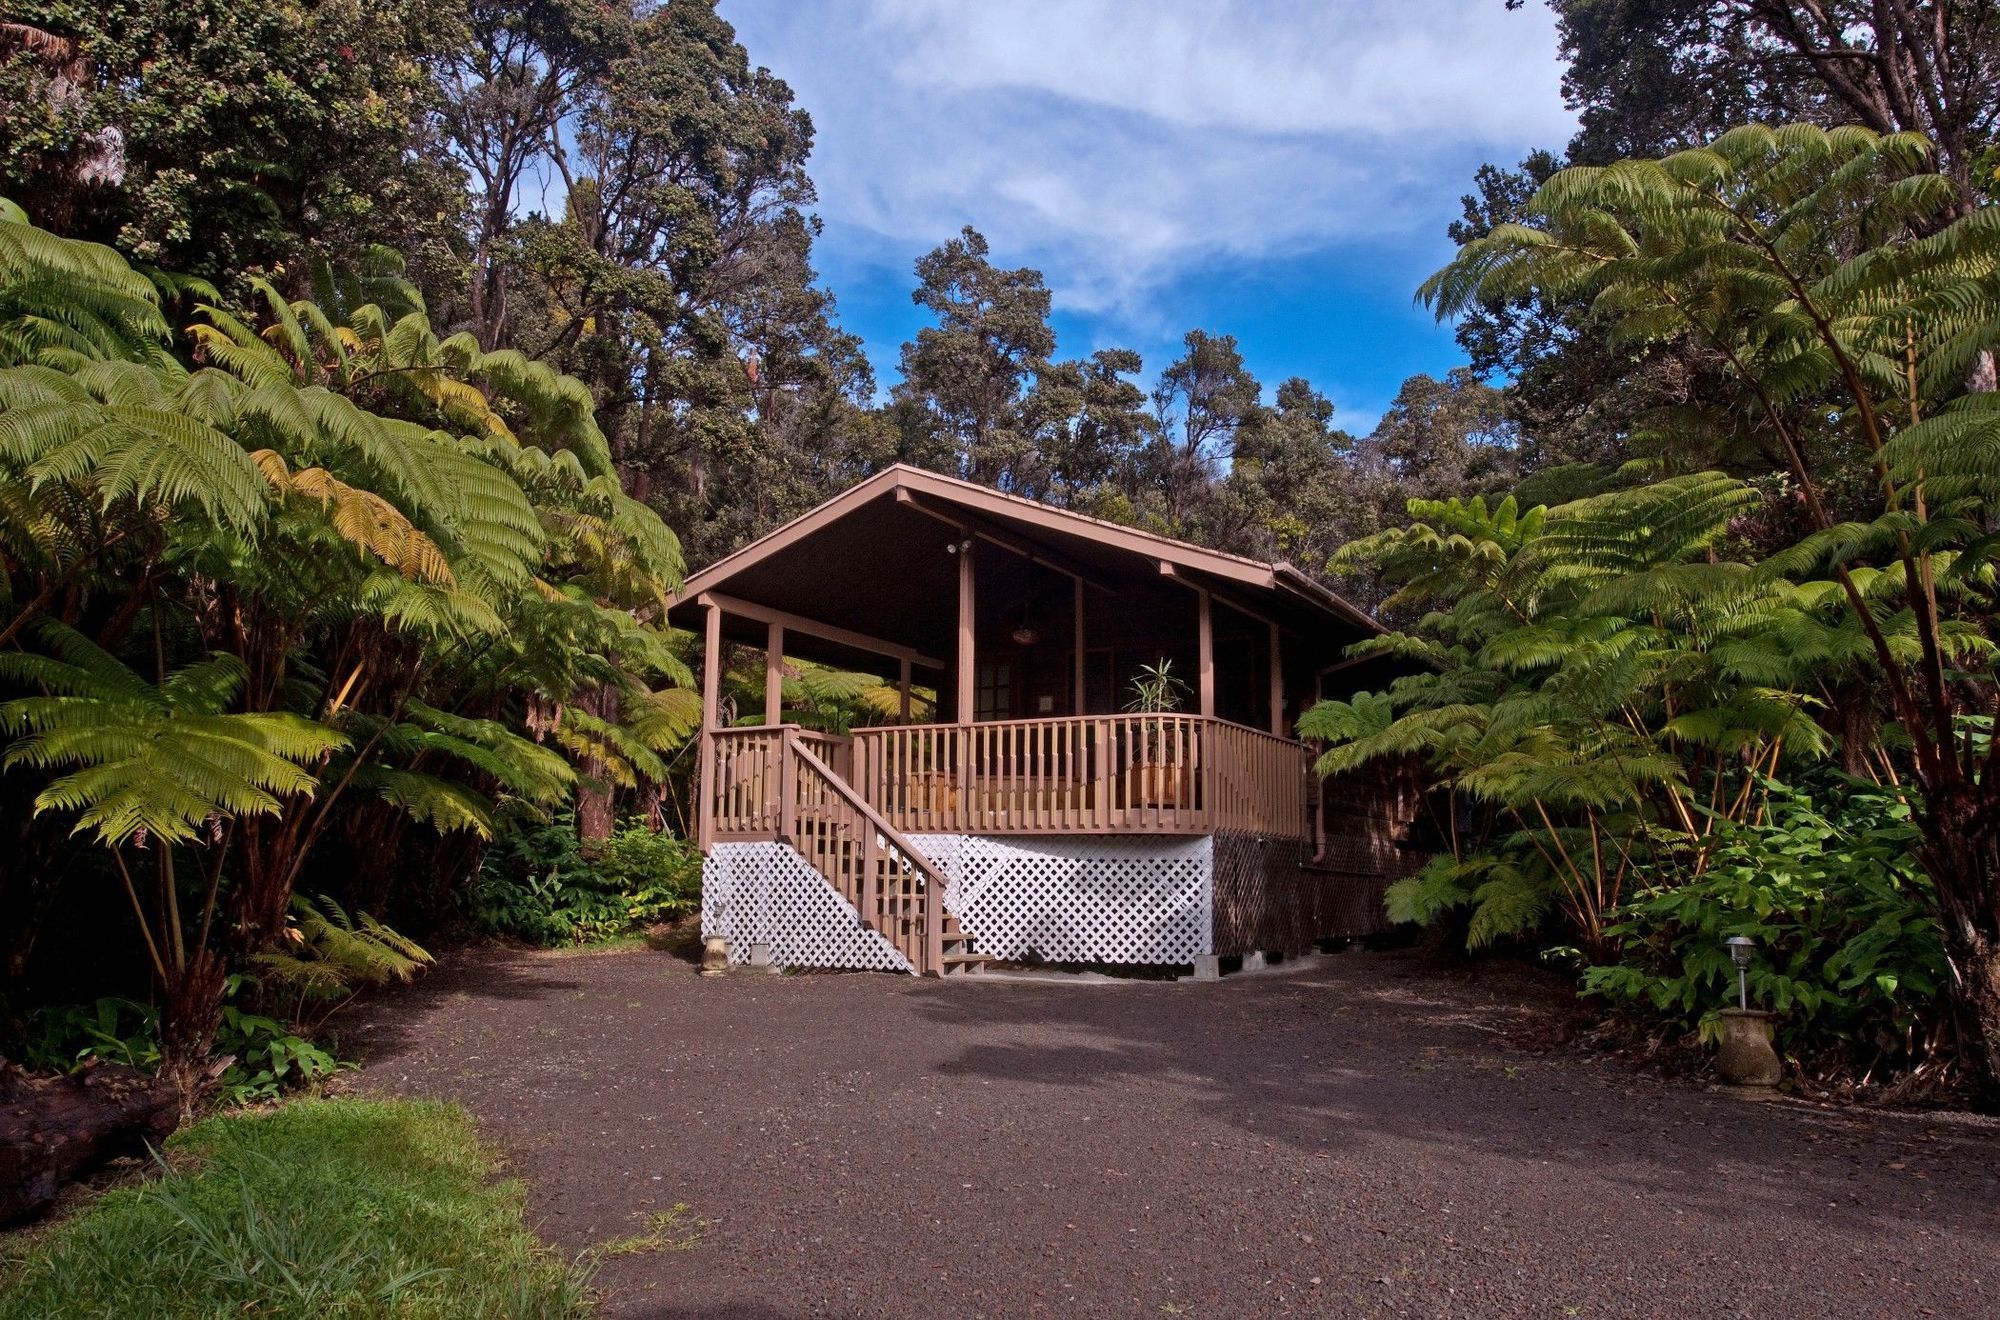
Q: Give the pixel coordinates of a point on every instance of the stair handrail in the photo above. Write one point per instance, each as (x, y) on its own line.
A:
(934, 879)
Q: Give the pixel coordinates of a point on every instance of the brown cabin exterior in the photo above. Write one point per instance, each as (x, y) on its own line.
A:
(1034, 815)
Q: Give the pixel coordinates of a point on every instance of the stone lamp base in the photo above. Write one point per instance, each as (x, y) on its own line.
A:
(714, 956)
(1746, 1057)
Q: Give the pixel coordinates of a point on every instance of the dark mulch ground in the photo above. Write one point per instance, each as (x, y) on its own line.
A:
(1354, 1138)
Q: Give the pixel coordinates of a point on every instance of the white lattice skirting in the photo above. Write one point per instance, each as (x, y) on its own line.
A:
(1081, 898)
(767, 893)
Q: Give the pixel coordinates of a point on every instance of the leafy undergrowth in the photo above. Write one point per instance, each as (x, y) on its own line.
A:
(324, 1208)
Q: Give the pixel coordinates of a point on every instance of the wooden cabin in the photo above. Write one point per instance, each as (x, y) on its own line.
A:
(1037, 814)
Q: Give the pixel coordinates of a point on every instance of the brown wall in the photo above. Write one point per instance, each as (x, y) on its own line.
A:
(1272, 896)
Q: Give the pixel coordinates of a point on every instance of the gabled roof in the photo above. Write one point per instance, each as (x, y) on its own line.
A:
(1032, 516)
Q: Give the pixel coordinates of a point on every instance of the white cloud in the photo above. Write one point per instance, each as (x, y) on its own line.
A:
(1379, 69)
(1115, 144)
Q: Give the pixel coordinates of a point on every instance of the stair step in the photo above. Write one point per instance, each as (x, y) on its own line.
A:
(961, 964)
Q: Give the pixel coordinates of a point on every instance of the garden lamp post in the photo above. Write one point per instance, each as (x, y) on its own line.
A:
(1746, 1058)
(1739, 953)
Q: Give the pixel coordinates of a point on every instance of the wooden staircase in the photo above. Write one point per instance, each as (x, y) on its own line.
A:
(960, 959)
(896, 890)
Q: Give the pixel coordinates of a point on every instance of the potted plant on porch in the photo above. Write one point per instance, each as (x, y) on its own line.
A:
(1150, 780)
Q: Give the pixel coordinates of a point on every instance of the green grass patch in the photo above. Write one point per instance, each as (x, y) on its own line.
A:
(323, 1208)
(665, 1230)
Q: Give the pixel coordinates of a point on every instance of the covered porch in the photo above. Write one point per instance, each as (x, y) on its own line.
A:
(1030, 626)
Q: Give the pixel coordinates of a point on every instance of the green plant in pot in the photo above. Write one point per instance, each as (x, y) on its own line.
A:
(1158, 777)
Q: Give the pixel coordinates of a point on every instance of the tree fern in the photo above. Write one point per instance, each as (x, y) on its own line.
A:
(140, 759)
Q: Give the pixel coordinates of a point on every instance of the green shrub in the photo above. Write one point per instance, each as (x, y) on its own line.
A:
(327, 957)
(659, 874)
(538, 884)
(267, 1057)
(1847, 952)
(320, 1208)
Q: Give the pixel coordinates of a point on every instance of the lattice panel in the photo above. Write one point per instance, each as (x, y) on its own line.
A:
(767, 892)
(1269, 898)
(1079, 898)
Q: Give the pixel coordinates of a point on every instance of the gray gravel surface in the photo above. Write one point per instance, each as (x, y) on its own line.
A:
(1352, 1138)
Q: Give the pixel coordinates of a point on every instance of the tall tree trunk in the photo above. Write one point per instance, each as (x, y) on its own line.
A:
(595, 805)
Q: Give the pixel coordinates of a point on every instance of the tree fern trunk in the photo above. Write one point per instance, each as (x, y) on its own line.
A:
(596, 811)
(190, 1011)
(1961, 852)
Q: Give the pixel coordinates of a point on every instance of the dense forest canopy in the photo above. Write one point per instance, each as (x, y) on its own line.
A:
(673, 271)
(371, 372)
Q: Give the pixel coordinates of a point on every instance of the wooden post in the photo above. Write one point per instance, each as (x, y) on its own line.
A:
(1104, 774)
(903, 692)
(1319, 790)
(711, 666)
(1277, 686)
(711, 716)
(967, 673)
(1077, 702)
(1205, 667)
(967, 677)
(774, 674)
(788, 787)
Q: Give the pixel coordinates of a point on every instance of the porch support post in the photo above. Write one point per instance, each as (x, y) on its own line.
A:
(774, 673)
(967, 674)
(1077, 703)
(1277, 685)
(711, 666)
(966, 671)
(1205, 666)
(1319, 784)
(711, 716)
(903, 693)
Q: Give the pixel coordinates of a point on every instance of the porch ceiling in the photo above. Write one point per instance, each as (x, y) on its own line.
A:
(875, 561)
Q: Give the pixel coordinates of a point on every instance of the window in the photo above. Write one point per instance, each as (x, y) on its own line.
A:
(993, 691)
(1100, 681)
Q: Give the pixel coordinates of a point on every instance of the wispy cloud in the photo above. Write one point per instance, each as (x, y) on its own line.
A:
(1370, 68)
(1117, 145)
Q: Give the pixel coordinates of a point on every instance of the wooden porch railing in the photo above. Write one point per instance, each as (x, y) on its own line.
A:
(782, 783)
(744, 780)
(1115, 774)
(1100, 774)
(1262, 783)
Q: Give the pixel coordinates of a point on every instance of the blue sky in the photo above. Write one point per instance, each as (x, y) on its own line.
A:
(1279, 171)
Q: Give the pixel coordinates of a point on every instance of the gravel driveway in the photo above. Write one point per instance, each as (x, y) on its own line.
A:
(1351, 1138)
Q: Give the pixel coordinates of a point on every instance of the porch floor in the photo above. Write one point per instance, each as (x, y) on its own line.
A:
(1357, 1138)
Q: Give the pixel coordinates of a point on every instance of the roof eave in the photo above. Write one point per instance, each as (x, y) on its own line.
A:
(1291, 577)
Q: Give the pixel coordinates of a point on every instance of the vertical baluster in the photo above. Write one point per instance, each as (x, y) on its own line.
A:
(1017, 770)
(1045, 778)
(1144, 748)
(1189, 738)
(788, 777)
(1011, 767)
(1030, 778)
(1103, 772)
(871, 901)
(1063, 774)
(1059, 775)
